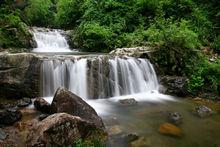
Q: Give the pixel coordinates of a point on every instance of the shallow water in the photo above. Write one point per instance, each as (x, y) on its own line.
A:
(151, 111)
(145, 118)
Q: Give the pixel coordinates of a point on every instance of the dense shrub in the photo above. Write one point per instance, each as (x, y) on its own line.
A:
(13, 32)
(204, 77)
(68, 13)
(176, 44)
(94, 37)
(216, 44)
(40, 12)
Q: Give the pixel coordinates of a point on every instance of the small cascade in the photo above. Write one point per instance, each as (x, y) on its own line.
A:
(50, 40)
(98, 77)
(132, 76)
(68, 73)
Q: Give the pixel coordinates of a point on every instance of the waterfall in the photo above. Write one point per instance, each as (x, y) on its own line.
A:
(50, 40)
(93, 77)
(69, 73)
(98, 77)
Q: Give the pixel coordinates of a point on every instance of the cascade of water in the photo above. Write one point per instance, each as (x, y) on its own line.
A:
(69, 73)
(132, 76)
(116, 77)
(50, 40)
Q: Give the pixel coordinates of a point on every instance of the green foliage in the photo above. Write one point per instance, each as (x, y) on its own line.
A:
(195, 84)
(175, 42)
(40, 12)
(216, 44)
(94, 37)
(204, 76)
(174, 35)
(93, 143)
(69, 12)
(13, 32)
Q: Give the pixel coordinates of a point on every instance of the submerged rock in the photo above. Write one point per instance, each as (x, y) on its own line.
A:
(131, 137)
(130, 101)
(169, 129)
(9, 116)
(114, 130)
(2, 134)
(66, 101)
(141, 142)
(203, 111)
(62, 129)
(24, 102)
(42, 105)
(174, 85)
(175, 118)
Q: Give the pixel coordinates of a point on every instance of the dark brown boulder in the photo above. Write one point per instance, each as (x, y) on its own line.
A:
(62, 129)
(42, 105)
(66, 101)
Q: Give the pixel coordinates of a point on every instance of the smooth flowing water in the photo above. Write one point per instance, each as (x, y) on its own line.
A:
(50, 40)
(145, 118)
(112, 77)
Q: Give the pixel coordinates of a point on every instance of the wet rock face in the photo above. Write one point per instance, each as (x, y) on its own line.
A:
(97, 72)
(62, 129)
(19, 75)
(9, 116)
(42, 105)
(174, 85)
(65, 101)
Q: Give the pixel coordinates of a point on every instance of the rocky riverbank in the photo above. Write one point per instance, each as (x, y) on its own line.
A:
(69, 119)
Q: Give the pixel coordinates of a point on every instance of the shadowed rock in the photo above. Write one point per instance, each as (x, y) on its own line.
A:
(9, 116)
(66, 101)
(42, 105)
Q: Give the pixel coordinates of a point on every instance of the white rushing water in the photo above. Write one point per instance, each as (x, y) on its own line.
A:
(68, 73)
(95, 77)
(125, 76)
(50, 40)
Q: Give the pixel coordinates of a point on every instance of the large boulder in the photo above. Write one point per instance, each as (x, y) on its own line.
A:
(19, 75)
(42, 105)
(62, 129)
(66, 101)
(174, 85)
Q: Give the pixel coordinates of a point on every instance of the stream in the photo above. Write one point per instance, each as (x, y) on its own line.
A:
(102, 82)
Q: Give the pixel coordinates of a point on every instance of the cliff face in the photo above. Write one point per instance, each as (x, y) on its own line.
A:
(19, 75)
